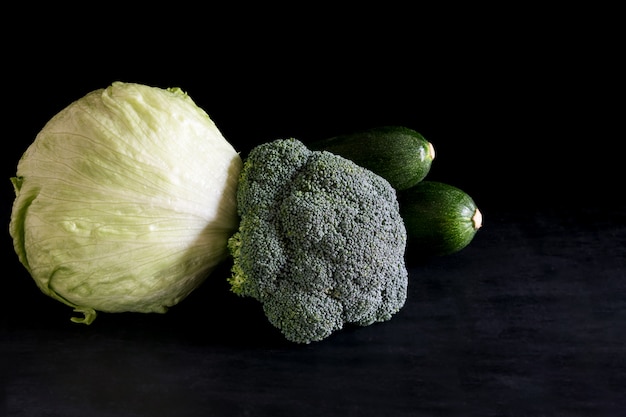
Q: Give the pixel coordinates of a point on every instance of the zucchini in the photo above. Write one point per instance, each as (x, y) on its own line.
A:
(400, 155)
(440, 219)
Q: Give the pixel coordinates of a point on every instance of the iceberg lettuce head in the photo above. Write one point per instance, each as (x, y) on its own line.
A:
(125, 201)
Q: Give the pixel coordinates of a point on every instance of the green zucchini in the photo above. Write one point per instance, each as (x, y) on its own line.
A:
(400, 155)
(440, 219)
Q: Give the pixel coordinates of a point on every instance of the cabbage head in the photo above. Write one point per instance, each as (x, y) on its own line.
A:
(125, 201)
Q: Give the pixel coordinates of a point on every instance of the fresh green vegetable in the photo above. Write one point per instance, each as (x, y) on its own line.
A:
(321, 242)
(400, 155)
(440, 219)
(125, 201)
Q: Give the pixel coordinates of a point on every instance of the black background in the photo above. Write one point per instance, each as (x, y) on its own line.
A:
(522, 107)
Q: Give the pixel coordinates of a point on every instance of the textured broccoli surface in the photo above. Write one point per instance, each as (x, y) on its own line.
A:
(321, 242)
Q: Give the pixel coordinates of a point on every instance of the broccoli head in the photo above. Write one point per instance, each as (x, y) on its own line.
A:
(320, 242)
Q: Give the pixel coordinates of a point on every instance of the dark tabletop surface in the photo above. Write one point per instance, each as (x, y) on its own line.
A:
(528, 320)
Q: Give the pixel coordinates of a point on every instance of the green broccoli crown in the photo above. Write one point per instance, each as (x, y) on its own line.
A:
(320, 243)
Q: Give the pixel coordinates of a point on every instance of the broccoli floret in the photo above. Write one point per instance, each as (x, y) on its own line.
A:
(320, 243)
